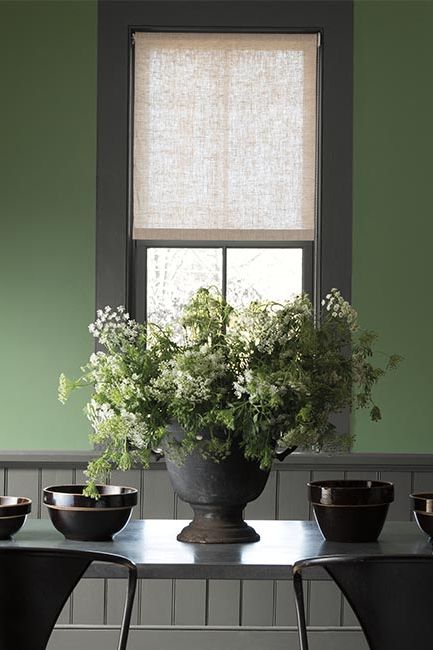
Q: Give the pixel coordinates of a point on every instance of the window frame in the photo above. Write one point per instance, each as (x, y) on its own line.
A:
(117, 261)
(139, 291)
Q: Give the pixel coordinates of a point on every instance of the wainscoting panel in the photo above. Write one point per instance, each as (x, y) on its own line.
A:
(400, 509)
(190, 602)
(115, 602)
(156, 606)
(223, 604)
(285, 610)
(422, 481)
(214, 614)
(89, 602)
(25, 483)
(257, 602)
(291, 495)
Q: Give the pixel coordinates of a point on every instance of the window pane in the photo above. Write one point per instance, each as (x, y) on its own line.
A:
(174, 274)
(263, 274)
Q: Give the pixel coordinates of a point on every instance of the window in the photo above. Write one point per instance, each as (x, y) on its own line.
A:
(255, 205)
(224, 154)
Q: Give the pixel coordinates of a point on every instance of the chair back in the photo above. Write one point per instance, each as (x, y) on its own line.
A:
(392, 597)
(35, 585)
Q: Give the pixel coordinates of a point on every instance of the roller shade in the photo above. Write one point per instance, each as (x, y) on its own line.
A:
(224, 136)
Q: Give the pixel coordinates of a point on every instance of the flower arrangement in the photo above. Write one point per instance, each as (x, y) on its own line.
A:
(267, 376)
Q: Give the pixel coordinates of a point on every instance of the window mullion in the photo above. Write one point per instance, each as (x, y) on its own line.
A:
(224, 272)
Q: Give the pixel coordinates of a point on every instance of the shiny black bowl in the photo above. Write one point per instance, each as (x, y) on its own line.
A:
(422, 505)
(350, 510)
(83, 518)
(13, 513)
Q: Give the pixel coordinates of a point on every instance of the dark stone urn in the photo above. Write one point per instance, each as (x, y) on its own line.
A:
(218, 493)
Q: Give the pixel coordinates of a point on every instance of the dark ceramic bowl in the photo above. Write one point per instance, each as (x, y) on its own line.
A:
(13, 513)
(422, 504)
(350, 511)
(83, 518)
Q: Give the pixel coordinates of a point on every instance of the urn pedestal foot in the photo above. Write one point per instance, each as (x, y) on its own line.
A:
(218, 525)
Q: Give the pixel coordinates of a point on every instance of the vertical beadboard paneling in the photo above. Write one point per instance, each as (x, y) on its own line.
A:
(65, 616)
(258, 598)
(400, 509)
(257, 602)
(156, 598)
(80, 477)
(285, 613)
(360, 475)
(349, 618)
(25, 483)
(158, 495)
(2, 482)
(325, 603)
(264, 506)
(292, 494)
(116, 596)
(183, 510)
(89, 602)
(115, 588)
(158, 503)
(190, 602)
(325, 600)
(131, 478)
(224, 602)
(422, 481)
(292, 503)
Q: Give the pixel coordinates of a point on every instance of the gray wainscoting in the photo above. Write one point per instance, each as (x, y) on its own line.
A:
(213, 614)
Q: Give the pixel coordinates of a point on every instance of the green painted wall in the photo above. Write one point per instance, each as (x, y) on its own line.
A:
(47, 207)
(393, 225)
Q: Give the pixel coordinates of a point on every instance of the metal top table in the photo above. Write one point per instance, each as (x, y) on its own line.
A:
(152, 545)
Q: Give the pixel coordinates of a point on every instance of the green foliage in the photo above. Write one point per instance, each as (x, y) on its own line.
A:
(267, 376)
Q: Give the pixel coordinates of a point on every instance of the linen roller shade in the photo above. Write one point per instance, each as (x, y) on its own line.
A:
(224, 136)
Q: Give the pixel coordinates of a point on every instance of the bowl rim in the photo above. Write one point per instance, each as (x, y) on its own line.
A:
(54, 489)
(350, 484)
(350, 492)
(24, 501)
(71, 497)
(21, 508)
(424, 496)
(422, 502)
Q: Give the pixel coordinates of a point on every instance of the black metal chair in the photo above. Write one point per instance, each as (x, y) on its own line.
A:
(36, 583)
(392, 597)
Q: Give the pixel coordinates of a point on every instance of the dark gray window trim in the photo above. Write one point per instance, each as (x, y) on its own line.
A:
(117, 19)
